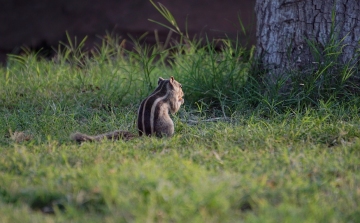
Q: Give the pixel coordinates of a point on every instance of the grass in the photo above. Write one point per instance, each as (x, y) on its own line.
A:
(292, 168)
(243, 150)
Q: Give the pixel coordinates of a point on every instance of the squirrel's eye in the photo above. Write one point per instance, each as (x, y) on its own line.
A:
(180, 86)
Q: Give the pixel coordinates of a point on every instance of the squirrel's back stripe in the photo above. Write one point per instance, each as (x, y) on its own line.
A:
(144, 118)
(155, 108)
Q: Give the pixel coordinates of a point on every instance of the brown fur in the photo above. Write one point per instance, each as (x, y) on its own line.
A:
(115, 135)
(153, 114)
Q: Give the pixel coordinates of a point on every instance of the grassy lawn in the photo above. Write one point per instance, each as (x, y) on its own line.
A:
(291, 168)
(243, 151)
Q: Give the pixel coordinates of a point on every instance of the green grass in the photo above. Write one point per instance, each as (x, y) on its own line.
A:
(292, 168)
(243, 150)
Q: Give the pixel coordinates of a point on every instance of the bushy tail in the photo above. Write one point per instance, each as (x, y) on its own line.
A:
(116, 135)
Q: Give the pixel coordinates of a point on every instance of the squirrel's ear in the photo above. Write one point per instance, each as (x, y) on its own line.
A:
(172, 79)
(160, 79)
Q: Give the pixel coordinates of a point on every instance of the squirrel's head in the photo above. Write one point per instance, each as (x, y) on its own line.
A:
(176, 87)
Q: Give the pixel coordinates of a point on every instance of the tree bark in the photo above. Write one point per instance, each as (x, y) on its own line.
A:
(284, 28)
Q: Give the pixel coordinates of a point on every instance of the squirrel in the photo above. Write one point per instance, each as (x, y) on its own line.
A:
(153, 114)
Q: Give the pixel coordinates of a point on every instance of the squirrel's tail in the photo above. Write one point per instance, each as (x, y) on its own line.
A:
(115, 135)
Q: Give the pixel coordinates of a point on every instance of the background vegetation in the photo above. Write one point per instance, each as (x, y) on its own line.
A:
(245, 149)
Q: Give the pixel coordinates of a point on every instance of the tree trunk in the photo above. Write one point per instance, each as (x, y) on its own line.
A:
(285, 27)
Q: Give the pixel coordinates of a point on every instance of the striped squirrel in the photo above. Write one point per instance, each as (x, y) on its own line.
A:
(153, 114)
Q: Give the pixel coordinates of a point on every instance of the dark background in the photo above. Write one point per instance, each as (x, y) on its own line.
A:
(42, 23)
